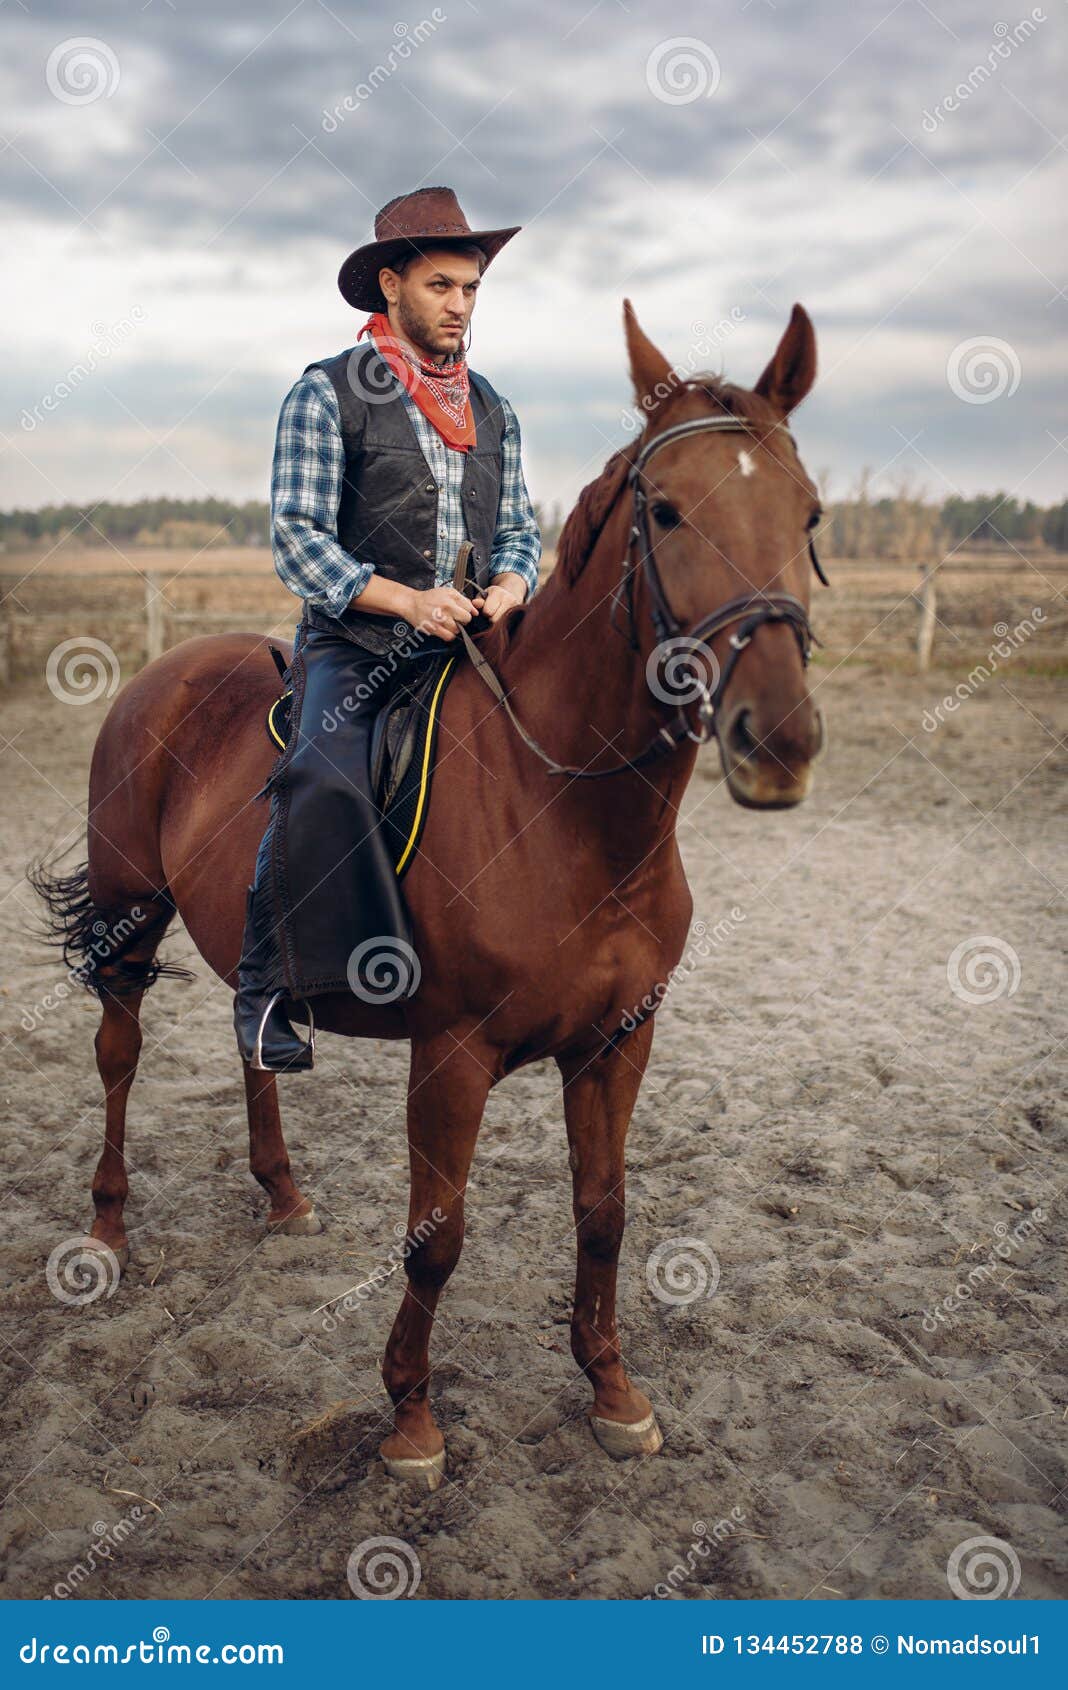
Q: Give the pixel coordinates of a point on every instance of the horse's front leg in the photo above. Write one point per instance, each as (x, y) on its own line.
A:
(598, 1099)
(447, 1090)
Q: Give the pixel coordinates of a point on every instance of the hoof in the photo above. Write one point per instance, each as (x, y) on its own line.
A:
(623, 1438)
(102, 1248)
(426, 1471)
(306, 1225)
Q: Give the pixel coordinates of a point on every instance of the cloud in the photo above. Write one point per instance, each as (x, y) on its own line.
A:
(217, 186)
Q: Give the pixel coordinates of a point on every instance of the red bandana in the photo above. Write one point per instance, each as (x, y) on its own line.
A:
(441, 391)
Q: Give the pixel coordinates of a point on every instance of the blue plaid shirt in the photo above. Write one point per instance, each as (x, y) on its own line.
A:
(306, 480)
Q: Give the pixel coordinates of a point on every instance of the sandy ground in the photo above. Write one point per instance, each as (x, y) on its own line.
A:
(841, 1137)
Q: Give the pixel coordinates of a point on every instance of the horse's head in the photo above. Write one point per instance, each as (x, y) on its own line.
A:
(728, 511)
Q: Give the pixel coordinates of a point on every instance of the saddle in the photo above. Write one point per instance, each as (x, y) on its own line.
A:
(403, 742)
(403, 739)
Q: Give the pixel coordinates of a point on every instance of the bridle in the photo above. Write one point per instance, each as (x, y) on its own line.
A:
(750, 611)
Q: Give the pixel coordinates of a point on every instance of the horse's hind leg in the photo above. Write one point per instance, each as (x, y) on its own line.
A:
(598, 1099)
(119, 969)
(269, 1159)
(118, 1047)
(107, 916)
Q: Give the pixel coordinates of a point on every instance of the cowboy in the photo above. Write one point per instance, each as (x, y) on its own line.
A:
(387, 457)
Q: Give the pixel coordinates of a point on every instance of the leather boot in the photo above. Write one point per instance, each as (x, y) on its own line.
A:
(265, 1038)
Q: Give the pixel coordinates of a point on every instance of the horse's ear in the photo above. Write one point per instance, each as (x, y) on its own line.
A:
(792, 370)
(650, 372)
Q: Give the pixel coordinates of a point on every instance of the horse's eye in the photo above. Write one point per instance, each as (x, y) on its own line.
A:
(666, 515)
(814, 520)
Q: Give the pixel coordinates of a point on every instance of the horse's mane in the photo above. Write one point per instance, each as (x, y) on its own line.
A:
(591, 511)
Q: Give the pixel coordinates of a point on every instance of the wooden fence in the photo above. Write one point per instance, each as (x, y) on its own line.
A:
(871, 611)
(134, 610)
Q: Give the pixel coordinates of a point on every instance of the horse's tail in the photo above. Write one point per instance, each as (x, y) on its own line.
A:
(105, 950)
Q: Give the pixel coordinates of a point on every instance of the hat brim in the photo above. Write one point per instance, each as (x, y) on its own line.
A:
(358, 276)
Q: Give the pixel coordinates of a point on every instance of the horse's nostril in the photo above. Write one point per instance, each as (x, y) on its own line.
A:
(741, 739)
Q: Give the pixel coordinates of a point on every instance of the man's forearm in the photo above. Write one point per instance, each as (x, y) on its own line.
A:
(386, 597)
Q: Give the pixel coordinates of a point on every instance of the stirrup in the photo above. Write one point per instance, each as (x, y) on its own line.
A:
(257, 1061)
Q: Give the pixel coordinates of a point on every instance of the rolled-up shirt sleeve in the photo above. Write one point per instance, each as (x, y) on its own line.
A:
(306, 482)
(517, 537)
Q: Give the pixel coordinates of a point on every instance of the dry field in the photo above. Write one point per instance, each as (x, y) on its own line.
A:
(859, 1121)
(870, 615)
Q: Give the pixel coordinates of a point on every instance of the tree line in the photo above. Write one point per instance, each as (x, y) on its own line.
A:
(146, 522)
(899, 525)
(905, 526)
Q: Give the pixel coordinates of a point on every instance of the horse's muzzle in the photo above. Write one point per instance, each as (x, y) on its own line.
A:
(768, 764)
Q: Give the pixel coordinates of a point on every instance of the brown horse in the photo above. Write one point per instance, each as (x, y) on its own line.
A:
(547, 906)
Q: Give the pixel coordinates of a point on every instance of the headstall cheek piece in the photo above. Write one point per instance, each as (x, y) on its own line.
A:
(750, 611)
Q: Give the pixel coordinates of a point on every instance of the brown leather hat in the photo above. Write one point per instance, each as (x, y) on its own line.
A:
(428, 218)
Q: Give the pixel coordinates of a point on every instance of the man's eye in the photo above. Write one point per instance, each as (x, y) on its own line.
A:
(666, 515)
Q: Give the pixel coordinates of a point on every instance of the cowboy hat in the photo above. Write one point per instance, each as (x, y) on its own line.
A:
(429, 217)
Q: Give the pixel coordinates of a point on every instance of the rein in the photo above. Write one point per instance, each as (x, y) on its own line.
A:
(749, 611)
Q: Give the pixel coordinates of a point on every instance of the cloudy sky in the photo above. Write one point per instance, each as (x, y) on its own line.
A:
(182, 180)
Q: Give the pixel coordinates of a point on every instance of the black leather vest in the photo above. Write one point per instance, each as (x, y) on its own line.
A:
(388, 515)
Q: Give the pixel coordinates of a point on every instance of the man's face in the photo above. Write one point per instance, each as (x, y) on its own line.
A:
(434, 299)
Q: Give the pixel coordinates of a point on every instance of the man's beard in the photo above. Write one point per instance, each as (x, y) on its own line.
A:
(416, 329)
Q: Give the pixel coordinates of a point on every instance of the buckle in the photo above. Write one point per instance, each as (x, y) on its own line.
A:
(706, 715)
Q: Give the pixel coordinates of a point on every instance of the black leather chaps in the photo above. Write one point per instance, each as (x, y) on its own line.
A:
(324, 866)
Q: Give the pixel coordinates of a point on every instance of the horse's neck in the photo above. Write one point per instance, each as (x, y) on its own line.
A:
(579, 687)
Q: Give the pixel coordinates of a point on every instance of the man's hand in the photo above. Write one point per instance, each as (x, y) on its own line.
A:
(440, 611)
(504, 591)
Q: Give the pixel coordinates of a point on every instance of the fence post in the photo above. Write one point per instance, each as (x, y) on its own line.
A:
(7, 642)
(927, 600)
(154, 619)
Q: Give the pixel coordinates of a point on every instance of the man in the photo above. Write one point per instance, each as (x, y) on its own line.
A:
(387, 457)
